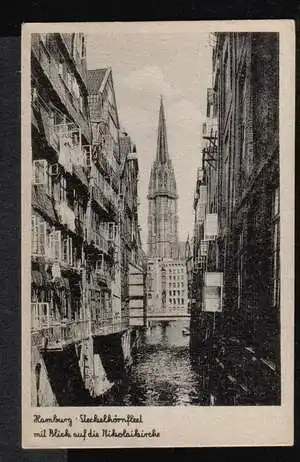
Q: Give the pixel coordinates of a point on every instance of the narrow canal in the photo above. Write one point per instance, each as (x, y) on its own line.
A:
(162, 373)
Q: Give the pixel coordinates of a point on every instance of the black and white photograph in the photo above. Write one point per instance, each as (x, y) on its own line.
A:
(155, 199)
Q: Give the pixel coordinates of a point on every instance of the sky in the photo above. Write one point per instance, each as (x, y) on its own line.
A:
(145, 66)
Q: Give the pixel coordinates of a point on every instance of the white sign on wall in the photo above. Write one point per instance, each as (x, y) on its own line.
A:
(213, 292)
(211, 226)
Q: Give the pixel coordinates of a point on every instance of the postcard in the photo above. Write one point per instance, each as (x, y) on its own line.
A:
(158, 234)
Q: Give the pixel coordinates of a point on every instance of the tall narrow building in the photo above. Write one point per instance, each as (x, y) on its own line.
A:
(162, 196)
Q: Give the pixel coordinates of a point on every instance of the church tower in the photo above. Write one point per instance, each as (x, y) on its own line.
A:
(162, 197)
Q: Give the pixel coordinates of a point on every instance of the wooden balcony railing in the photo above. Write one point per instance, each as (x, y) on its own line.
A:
(108, 325)
(99, 197)
(100, 241)
(55, 335)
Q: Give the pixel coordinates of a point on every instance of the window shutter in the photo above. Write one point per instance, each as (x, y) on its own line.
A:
(70, 250)
(51, 244)
(34, 234)
(41, 237)
(56, 244)
(34, 316)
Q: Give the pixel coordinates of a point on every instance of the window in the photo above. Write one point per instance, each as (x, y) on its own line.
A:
(38, 236)
(67, 250)
(49, 185)
(100, 263)
(111, 231)
(39, 174)
(55, 244)
(63, 189)
(40, 313)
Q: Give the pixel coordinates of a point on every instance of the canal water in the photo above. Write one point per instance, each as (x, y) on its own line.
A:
(162, 373)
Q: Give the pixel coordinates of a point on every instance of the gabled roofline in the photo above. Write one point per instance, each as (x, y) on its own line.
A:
(104, 80)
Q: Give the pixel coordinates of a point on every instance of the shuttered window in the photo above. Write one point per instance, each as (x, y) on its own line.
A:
(39, 174)
(55, 244)
(38, 236)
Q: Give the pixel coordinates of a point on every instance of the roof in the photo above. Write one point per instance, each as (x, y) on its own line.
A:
(94, 79)
(162, 145)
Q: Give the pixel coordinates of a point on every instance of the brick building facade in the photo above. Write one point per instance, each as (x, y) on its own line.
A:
(236, 235)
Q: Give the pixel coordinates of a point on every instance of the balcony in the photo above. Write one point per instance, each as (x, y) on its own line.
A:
(67, 216)
(100, 241)
(42, 202)
(55, 335)
(100, 158)
(103, 276)
(99, 197)
(108, 326)
(112, 203)
(50, 69)
(105, 167)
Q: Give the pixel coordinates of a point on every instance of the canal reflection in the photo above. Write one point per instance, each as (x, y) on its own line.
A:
(162, 373)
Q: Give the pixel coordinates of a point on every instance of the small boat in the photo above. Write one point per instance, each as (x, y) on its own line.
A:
(185, 331)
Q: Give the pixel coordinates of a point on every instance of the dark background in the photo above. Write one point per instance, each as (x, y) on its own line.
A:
(10, 231)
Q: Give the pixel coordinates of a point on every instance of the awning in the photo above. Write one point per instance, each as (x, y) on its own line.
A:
(39, 277)
(80, 174)
(42, 202)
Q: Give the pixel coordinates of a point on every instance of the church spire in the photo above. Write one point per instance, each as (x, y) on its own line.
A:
(162, 145)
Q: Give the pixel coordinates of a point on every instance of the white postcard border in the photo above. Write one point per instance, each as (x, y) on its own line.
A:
(189, 426)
